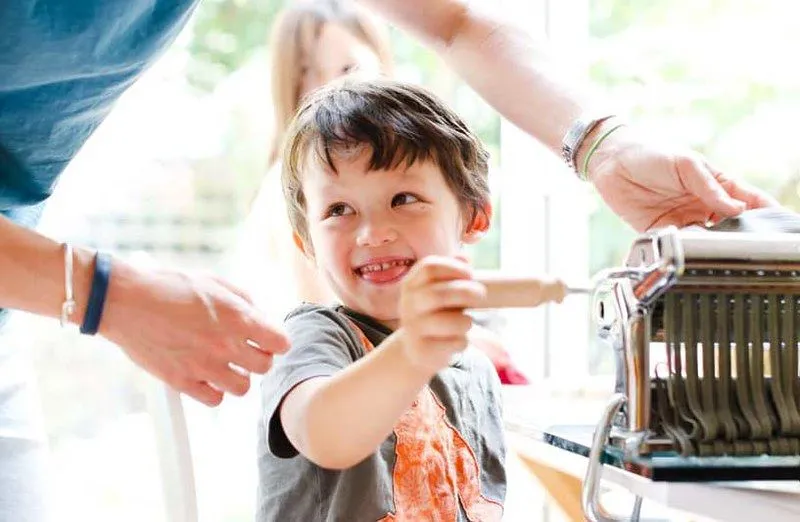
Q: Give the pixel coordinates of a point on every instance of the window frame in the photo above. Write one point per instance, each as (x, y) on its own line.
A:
(545, 214)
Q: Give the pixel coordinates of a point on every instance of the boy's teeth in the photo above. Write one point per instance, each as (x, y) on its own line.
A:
(383, 266)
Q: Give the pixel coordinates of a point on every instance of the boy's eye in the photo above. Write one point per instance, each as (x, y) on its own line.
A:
(404, 198)
(338, 209)
(350, 67)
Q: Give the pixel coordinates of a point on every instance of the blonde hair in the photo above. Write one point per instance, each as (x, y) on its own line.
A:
(293, 35)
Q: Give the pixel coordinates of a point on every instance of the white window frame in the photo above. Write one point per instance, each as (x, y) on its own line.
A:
(545, 214)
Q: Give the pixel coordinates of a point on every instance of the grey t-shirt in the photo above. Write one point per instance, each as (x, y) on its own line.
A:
(444, 460)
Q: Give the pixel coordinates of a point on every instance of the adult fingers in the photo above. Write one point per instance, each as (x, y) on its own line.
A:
(748, 194)
(229, 380)
(699, 180)
(256, 333)
(260, 334)
(252, 358)
(202, 392)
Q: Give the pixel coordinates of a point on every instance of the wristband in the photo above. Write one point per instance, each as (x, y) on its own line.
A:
(584, 172)
(573, 139)
(97, 295)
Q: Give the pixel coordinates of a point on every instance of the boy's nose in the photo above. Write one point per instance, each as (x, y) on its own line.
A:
(374, 234)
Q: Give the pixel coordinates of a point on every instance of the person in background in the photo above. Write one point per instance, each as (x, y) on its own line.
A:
(312, 43)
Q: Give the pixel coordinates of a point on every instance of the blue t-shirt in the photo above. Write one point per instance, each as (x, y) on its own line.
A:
(63, 64)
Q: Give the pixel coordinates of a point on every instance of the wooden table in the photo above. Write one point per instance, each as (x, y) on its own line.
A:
(530, 411)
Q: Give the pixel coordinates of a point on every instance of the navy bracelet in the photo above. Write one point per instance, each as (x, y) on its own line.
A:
(97, 295)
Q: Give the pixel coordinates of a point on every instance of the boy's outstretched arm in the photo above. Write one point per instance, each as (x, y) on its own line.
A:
(338, 421)
(646, 182)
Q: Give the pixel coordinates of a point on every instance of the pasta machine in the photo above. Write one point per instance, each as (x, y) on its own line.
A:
(704, 326)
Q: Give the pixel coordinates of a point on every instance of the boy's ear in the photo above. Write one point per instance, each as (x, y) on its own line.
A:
(298, 242)
(479, 225)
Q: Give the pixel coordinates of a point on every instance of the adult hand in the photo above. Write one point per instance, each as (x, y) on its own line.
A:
(651, 185)
(188, 330)
(433, 297)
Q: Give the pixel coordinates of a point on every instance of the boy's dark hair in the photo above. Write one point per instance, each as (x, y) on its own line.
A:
(400, 123)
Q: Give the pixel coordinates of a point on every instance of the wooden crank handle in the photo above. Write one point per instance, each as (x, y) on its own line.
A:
(522, 292)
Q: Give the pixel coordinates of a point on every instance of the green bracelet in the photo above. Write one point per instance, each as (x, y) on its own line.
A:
(584, 174)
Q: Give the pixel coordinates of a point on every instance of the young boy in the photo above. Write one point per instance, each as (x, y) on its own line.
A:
(380, 411)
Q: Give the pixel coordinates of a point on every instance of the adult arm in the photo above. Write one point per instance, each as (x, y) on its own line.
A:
(183, 329)
(646, 182)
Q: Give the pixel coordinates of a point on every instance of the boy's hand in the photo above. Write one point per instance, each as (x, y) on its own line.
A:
(433, 297)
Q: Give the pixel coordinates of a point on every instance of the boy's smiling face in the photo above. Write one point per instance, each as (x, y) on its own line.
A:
(367, 228)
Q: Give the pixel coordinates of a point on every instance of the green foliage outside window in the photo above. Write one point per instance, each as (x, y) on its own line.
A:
(226, 33)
